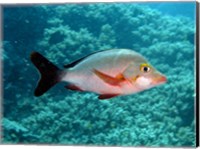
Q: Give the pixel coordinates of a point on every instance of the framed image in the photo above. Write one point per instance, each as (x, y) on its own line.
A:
(100, 74)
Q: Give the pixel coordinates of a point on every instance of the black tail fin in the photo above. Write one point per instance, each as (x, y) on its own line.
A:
(50, 74)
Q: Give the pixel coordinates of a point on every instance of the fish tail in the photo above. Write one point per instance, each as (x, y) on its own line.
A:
(50, 74)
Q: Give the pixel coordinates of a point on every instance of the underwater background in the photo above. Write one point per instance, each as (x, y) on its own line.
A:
(161, 116)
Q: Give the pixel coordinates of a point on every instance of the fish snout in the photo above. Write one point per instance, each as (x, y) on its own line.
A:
(158, 79)
(161, 79)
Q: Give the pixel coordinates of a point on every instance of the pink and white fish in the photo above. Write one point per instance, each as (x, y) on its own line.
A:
(108, 73)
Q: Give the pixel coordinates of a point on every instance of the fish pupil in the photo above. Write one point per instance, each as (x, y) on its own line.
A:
(145, 69)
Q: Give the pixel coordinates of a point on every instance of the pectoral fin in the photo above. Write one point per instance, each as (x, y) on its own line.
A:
(109, 79)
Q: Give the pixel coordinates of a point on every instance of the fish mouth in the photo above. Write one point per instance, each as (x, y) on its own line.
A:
(161, 79)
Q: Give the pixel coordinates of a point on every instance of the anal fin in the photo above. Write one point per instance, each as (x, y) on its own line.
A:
(107, 96)
(73, 87)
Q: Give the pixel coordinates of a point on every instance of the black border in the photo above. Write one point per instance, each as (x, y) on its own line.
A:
(197, 57)
(197, 73)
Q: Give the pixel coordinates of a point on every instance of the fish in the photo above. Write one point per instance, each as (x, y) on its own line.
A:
(108, 73)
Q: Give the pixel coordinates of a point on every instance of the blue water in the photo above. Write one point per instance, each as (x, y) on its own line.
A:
(186, 9)
(161, 116)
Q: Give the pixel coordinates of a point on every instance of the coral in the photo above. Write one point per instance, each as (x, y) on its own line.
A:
(16, 133)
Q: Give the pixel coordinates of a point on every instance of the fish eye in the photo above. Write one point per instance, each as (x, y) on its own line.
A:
(145, 68)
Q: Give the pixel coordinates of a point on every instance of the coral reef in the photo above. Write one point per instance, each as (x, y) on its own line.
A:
(16, 133)
(162, 116)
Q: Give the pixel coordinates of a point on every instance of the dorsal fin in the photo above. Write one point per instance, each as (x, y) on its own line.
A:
(75, 62)
(81, 59)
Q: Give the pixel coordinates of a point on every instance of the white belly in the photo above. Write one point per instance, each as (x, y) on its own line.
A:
(91, 82)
